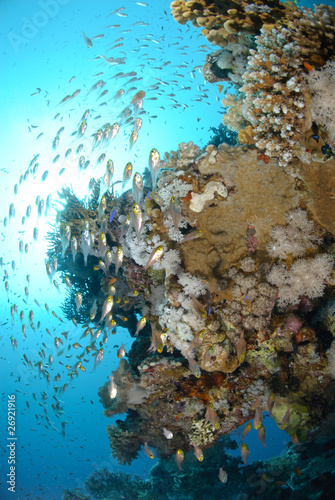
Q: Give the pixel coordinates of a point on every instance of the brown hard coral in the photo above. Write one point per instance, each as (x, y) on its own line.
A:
(182, 159)
(255, 200)
(306, 334)
(314, 32)
(223, 22)
(246, 135)
(221, 359)
(275, 102)
(274, 99)
(319, 184)
(211, 75)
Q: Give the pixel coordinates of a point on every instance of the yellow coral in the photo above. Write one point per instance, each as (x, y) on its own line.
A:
(223, 24)
(246, 135)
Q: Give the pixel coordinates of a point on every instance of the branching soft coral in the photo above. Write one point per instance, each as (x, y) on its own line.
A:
(306, 277)
(191, 284)
(321, 85)
(294, 239)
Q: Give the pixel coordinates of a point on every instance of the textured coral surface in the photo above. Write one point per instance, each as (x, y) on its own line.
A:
(319, 185)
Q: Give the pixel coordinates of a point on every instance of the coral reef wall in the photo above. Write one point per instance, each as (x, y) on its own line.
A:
(226, 256)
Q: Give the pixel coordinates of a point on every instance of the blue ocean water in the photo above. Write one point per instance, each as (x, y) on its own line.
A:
(44, 58)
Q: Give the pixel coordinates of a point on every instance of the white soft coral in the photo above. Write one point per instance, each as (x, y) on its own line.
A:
(192, 285)
(294, 239)
(321, 85)
(305, 277)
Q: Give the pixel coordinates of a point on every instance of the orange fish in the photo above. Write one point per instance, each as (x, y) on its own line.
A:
(138, 97)
(295, 439)
(286, 419)
(264, 158)
(256, 403)
(308, 66)
(188, 197)
(297, 471)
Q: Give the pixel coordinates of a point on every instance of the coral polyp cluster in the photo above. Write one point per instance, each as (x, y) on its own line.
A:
(273, 54)
(273, 102)
(224, 22)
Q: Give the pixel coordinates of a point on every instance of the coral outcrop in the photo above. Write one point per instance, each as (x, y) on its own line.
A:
(227, 258)
(223, 22)
(278, 96)
(229, 307)
(273, 102)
